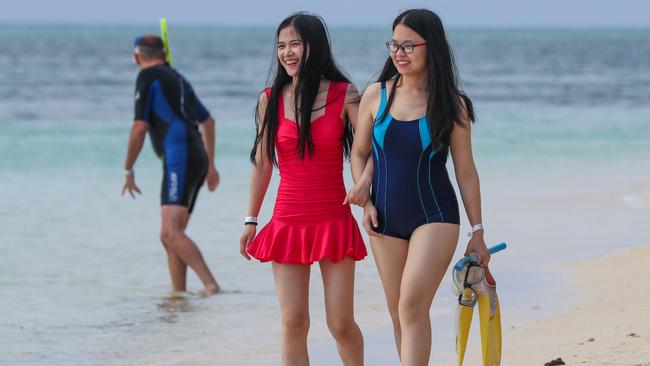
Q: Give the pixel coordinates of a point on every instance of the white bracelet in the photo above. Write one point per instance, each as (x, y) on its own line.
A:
(128, 172)
(475, 228)
(250, 220)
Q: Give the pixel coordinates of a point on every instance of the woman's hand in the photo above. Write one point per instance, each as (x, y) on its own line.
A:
(370, 219)
(477, 246)
(359, 194)
(246, 239)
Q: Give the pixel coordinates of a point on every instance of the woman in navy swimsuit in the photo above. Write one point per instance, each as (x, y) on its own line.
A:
(410, 121)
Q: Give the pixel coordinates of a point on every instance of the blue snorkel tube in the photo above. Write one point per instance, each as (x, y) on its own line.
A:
(474, 258)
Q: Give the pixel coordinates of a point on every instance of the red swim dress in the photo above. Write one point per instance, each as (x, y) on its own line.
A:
(309, 221)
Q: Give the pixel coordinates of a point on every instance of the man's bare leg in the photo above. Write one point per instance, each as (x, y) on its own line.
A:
(177, 268)
(181, 249)
(177, 271)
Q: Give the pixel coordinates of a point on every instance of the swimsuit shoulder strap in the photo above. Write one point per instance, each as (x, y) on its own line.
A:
(336, 97)
(382, 102)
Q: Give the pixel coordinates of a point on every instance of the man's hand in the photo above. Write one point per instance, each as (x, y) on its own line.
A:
(129, 185)
(212, 179)
(136, 139)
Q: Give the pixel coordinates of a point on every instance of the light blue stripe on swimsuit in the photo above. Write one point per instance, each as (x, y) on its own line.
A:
(400, 150)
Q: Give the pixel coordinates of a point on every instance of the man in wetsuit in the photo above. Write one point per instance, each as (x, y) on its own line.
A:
(182, 135)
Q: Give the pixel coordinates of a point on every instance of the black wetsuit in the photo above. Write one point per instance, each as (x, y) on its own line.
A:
(167, 102)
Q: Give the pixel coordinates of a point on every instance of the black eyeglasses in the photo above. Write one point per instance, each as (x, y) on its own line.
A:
(407, 48)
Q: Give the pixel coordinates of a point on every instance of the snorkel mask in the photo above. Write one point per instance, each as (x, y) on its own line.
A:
(468, 276)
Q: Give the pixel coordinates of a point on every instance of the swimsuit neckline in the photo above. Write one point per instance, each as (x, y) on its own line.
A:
(402, 121)
(325, 112)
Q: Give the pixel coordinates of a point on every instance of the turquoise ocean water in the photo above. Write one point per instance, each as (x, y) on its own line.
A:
(562, 145)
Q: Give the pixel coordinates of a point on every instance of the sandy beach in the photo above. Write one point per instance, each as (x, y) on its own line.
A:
(606, 322)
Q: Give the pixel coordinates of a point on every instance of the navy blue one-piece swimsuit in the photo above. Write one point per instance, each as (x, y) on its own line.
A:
(410, 183)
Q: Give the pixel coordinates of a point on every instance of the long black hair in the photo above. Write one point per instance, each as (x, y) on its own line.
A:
(444, 108)
(316, 63)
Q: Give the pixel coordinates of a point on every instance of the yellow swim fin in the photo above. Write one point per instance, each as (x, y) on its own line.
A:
(490, 319)
(465, 314)
(479, 288)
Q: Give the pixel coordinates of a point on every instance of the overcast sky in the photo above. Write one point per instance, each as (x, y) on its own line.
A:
(489, 13)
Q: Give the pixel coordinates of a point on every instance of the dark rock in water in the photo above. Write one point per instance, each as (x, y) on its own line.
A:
(591, 339)
(557, 361)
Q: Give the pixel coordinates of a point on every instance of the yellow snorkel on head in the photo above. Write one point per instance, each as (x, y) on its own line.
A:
(165, 39)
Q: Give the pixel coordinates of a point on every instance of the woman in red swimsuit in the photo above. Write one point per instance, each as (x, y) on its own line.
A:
(310, 223)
